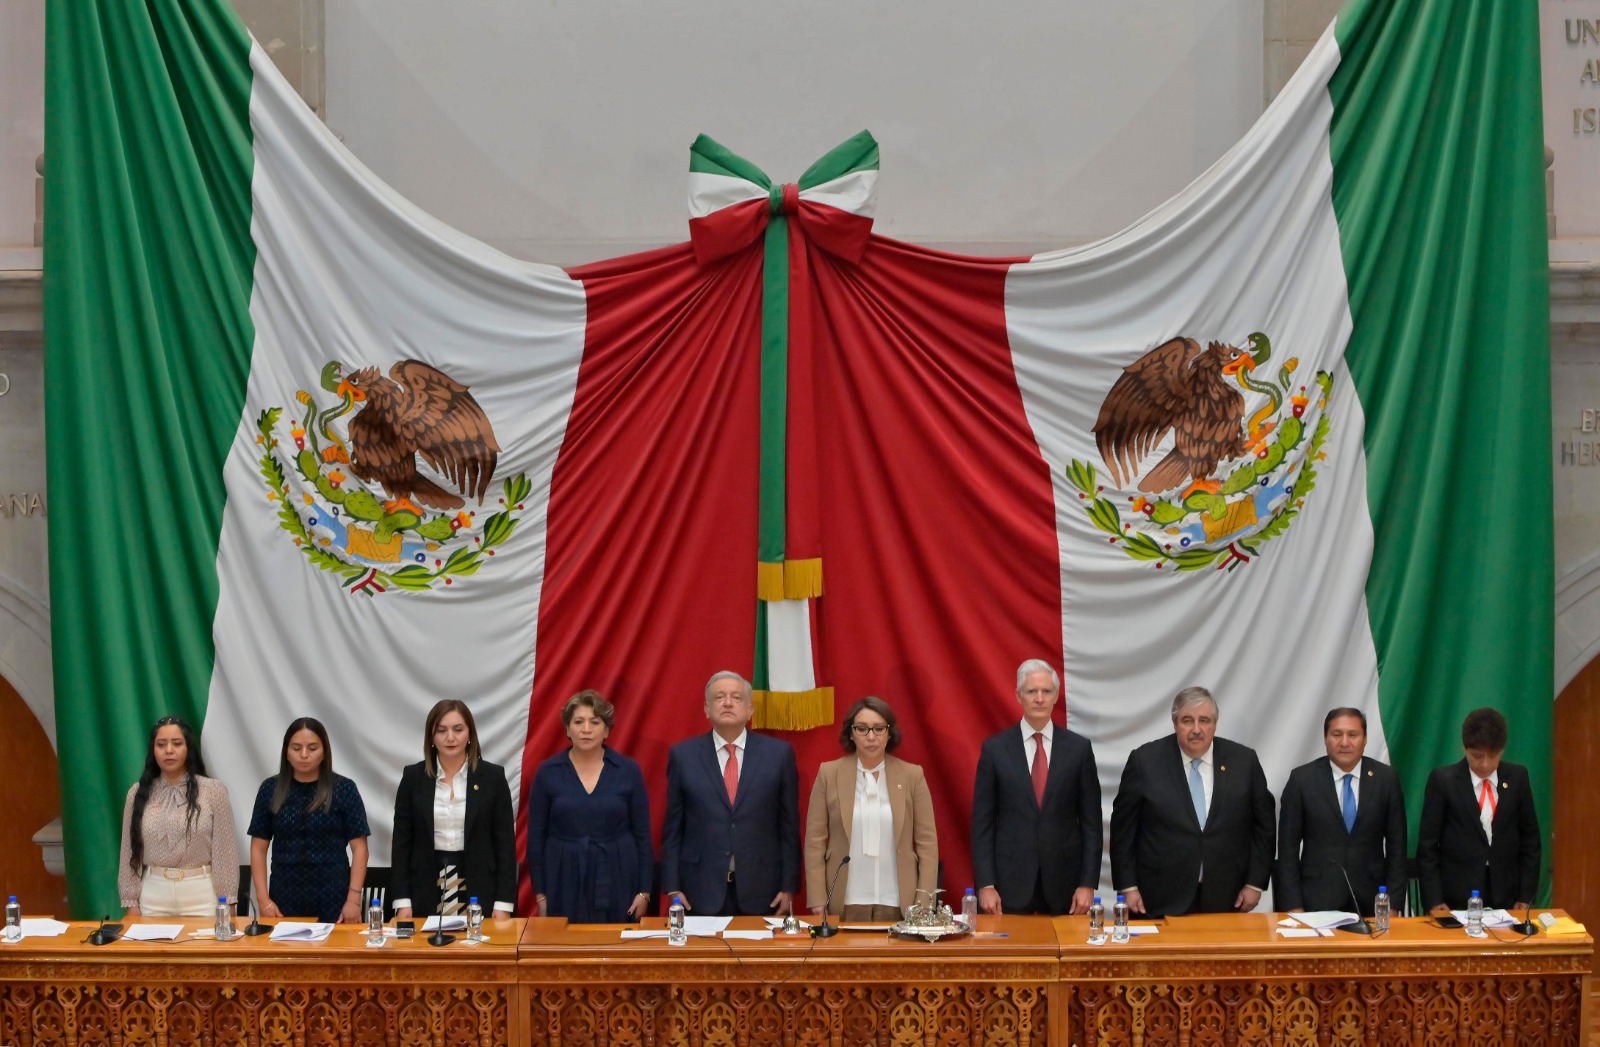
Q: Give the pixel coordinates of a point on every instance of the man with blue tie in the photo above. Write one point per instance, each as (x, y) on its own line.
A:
(1341, 825)
(1192, 825)
(731, 841)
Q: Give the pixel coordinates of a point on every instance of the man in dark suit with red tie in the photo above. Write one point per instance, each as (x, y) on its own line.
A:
(1479, 829)
(1341, 825)
(730, 844)
(1036, 839)
(1192, 826)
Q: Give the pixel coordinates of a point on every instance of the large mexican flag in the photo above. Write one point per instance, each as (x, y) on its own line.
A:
(313, 452)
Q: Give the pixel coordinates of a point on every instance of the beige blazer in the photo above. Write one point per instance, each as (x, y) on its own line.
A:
(832, 812)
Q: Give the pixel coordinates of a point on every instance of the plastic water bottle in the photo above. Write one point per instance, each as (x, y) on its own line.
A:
(1475, 917)
(1380, 911)
(474, 920)
(969, 909)
(375, 923)
(675, 932)
(1097, 922)
(13, 920)
(224, 928)
(1119, 919)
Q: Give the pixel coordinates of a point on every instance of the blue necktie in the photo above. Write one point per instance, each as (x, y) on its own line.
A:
(1349, 804)
(1197, 791)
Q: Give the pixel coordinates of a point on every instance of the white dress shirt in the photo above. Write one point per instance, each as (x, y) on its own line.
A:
(1486, 813)
(873, 878)
(450, 810)
(1028, 744)
(1338, 783)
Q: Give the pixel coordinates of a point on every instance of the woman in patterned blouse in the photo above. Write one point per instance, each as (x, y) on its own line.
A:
(179, 854)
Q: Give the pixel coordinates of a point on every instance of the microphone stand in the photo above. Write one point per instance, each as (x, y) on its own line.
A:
(1364, 927)
(828, 930)
(106, 933)
(1527, 928)
(253, 928)
(438, 937)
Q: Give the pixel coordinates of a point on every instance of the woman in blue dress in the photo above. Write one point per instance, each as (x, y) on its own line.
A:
(309, 816)
(589, 852)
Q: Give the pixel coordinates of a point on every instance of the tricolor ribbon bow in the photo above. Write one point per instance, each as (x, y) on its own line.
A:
(731, 203)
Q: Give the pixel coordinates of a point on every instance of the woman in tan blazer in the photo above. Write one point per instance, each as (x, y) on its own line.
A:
(876, 809)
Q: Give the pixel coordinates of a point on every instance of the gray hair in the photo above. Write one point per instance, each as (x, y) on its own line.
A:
(729, 674)
(1036, 665)
(1192, 696)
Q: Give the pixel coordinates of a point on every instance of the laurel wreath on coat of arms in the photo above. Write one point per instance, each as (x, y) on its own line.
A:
(1183, 515)
(422, 534)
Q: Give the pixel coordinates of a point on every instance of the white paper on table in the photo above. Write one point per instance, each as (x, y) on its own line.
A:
(297, 931)
(632, 933)
(451, 923)
(709, 925)
(1327, 918)
(203, 932)
(43, 927)
(153, 932)
(1299, 932)
(1143, 928)
(1491, 917)
(748, 934)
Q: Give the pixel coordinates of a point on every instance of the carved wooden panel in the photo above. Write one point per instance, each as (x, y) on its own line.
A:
(1433, 1012)
(789, 1015)
(252, 1015)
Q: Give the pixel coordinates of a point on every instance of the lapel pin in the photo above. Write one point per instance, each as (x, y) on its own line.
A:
(474, 788)
(1369, 774)
(1503, 785)
(1223, 767)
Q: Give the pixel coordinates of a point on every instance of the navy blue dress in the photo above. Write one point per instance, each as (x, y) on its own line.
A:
(310, 869)
(589, 853)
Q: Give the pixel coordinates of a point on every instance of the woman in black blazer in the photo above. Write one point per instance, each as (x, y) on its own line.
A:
(453, 832)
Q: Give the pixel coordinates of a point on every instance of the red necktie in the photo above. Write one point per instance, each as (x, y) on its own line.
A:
(1486, 800)
(1041, 769)
(730, 772)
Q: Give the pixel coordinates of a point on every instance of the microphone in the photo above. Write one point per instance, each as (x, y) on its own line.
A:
(828, 930)
(1363, 927)
(438, 937)
(1527, 928)
(253, 928)
(106, 933)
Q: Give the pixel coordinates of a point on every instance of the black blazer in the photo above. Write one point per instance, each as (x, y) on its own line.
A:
(761, 829)
(1454, 858)
(490, 862)
(1158, 846)
(1016, 842)
(1313, 845)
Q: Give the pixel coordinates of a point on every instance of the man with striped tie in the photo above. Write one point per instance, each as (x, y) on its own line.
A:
(1479, 830)
(1341, 826)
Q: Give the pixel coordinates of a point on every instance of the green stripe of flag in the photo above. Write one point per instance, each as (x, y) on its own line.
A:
(859, 152)
(708, 156)
(148, 259)
(1438, 159)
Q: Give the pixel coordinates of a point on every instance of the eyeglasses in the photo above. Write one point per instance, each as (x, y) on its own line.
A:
(866, 729)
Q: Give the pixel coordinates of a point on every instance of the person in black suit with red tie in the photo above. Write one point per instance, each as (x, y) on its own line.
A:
(1036, 824)
(730, 844)
(1341, 816)
(1479, 829)
(1192, 825)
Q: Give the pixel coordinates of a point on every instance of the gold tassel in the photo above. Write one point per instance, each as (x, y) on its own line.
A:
(793, 710)
(789, 580)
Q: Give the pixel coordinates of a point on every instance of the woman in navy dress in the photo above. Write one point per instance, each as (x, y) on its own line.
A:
(309, 816)
(589, 850)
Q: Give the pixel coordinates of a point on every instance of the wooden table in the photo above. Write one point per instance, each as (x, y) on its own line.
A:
(1025, 980)
(1232, 979)
(587, 986)
(253, 991)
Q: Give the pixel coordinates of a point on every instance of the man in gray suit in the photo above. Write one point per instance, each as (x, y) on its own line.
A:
(1341, 825)
(1036, 809)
